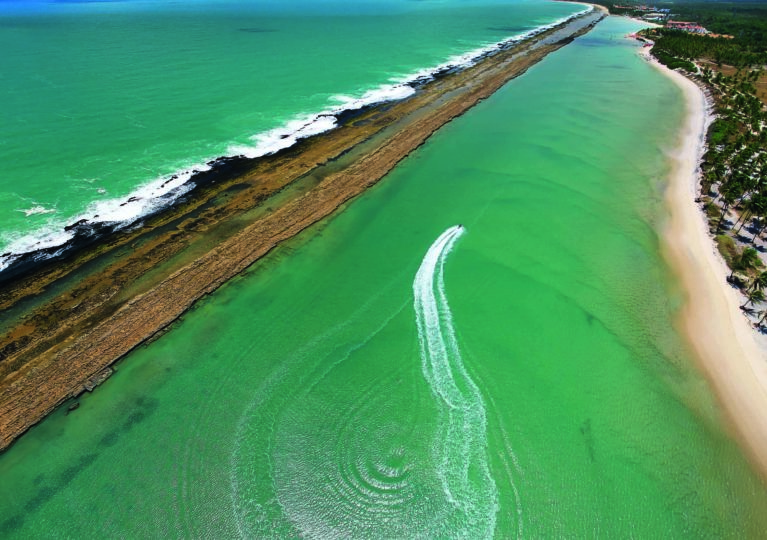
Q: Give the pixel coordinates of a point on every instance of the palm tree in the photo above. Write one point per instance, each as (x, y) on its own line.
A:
(762, 316)
(748, 211)
(755, 206)
(759, 230)
(748, 259)
(759, 283)
(728, 197)
(753, 296)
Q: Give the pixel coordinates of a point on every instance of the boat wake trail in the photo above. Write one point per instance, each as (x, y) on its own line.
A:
(460, 449)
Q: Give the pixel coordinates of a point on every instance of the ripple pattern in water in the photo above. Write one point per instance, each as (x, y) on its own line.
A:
(366, 471)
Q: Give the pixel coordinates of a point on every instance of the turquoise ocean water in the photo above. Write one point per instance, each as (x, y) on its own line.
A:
(104, 101)
(480, 345)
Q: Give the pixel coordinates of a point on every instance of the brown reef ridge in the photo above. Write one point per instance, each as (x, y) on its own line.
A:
(66, 322)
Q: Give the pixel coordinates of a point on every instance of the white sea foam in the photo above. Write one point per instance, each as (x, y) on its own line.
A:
(120, 212)
(145, 200)
(460, 449)
(286, 136)
(306, 126)
(37, 209)
(161, 192)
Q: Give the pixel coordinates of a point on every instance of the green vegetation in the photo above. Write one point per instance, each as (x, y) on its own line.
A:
(668, 59)
(744, 264)
(749, 260)
(759, 282)
(676, 45)
(745, 261)
(727, 248)
(711, 209)
(745, 21)
(752, 297)
(734, 168)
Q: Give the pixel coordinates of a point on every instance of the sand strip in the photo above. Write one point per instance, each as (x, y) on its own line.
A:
(719, 335)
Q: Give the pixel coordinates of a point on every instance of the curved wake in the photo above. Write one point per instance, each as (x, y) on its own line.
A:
(461, 447)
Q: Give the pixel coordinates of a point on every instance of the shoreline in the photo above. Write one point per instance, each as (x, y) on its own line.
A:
(723, 344)
(119, 296)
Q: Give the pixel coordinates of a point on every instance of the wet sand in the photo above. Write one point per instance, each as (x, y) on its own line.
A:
(70, 320)
(717, 332)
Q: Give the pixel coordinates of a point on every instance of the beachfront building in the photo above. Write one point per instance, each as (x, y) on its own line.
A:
(646, 13)
(686, 26)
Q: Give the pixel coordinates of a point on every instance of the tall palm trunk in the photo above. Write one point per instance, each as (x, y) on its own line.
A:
(743, 219)
(721, 216)
(759, 231)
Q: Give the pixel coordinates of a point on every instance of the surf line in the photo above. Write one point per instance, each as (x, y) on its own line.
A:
(460, 448)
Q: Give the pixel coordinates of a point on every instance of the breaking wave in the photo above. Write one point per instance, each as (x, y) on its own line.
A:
(115, 214)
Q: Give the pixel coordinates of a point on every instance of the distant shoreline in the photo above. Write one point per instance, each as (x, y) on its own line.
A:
(722, 341)
(76, 318)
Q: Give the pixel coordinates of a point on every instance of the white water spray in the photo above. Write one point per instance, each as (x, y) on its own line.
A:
(461, 446)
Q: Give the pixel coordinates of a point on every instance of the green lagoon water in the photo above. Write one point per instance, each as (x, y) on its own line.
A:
(392, 374)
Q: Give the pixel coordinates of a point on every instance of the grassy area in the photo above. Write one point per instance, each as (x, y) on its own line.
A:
(712, 210)
(760, 85)
(728, 249)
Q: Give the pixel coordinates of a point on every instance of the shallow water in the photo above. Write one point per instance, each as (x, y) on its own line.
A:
(389, 374)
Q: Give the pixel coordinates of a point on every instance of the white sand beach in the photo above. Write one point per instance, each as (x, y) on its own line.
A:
(721, 338)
